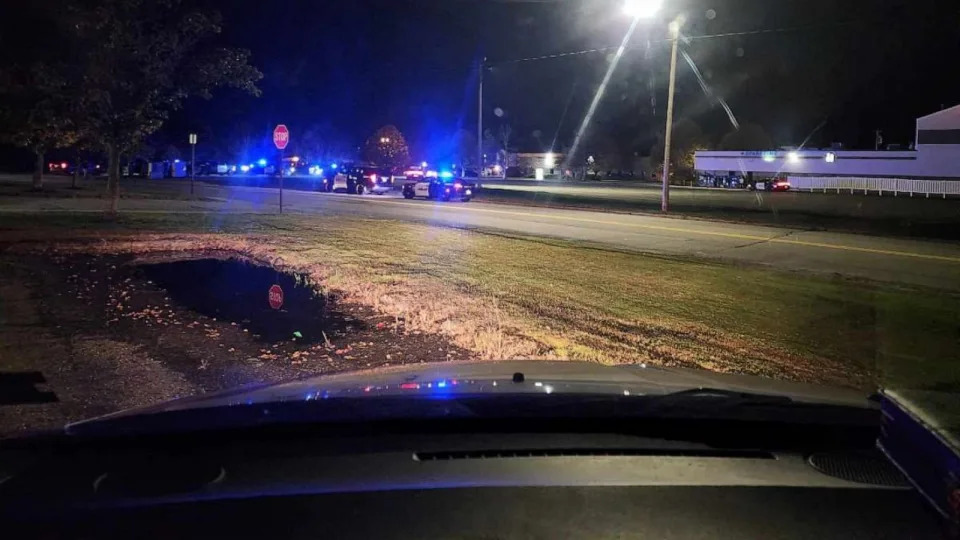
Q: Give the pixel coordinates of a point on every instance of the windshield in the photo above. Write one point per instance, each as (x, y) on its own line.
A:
(744, 197)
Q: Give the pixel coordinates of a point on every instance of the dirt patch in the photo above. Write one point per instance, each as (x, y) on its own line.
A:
(422, 303)
(106, 335)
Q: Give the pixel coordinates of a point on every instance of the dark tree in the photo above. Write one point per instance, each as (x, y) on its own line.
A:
(141, 59)
(688, 138)
(322, 143)
(504, 135)
(465, 148)
(36, 111)
(387, 147)
(606, 153)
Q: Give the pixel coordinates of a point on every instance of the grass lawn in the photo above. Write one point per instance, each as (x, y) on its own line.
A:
(60, 187)
(591, 302)
(855, 213)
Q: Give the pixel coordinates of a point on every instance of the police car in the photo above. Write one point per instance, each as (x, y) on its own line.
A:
(440, 188)
(359, 180)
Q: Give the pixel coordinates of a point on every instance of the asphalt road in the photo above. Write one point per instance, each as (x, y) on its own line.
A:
(644, 195)
(916, 262)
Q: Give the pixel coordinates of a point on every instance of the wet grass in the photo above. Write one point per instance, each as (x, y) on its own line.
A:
(594, 303)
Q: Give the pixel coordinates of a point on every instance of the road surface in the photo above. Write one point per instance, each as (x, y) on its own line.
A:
(915, 262)
(642, 195)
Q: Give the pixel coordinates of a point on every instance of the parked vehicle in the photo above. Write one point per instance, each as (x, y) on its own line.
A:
(780, 183)
(91, 168)
(359, 179)
(440, 189)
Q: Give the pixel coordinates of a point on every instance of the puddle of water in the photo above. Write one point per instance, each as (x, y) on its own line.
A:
(236, 291)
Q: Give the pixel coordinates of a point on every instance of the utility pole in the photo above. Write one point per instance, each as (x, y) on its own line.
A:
(281, 181)
(668, 137)
(480, 120)
(193, 160)
(281, 138)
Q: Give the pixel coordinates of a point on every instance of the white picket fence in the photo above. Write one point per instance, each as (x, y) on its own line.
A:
(882, 186)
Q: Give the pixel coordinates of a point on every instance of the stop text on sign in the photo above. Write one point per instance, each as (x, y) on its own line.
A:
(281, 137)
(275, 297)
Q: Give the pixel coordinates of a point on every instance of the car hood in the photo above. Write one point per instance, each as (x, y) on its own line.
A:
(449, 381)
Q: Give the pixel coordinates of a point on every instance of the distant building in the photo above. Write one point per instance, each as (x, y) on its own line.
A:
(527, 163)
(936, 157)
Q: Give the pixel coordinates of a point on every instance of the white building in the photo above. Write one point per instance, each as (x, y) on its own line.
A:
(936, 158)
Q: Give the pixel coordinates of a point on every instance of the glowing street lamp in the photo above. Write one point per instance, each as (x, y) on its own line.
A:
(647, 9)
(642, 9)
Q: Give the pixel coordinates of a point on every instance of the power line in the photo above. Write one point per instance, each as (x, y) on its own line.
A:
(772, 30)
(683, 37)
(555, 55)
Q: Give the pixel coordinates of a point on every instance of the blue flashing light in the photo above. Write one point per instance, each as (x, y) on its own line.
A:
(262, 163)
(176, 161)
(446, 174)
(244, 168)
(441, 384)
(334, 166)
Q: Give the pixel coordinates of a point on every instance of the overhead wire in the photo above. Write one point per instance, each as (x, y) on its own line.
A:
(686, 38)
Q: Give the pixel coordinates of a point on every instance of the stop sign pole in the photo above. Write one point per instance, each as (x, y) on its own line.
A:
(281, 138)
(193, 160)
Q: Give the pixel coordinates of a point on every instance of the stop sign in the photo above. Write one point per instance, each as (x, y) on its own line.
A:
(281, 136)
(275, 297)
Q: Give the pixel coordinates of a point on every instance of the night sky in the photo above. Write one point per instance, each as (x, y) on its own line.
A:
(827, 70)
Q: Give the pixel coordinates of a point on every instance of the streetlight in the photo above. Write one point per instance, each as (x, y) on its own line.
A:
(642, 9)
(646, 9)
